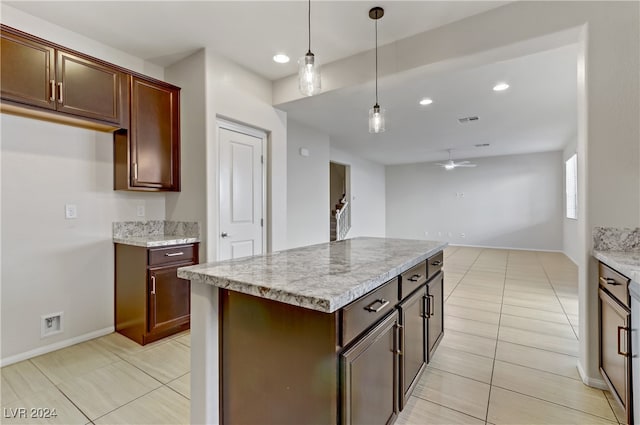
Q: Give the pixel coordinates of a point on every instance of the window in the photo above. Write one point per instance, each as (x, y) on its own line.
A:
(571, 186)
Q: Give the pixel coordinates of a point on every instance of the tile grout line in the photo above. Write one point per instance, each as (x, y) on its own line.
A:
(558, 404)
(495, 353)
(447, 407)
(463, 276)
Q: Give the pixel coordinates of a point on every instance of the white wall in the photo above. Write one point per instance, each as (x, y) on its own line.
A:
(190, 204)
(367, 194)
(50, 264)
(307, 186)
(506, 202)
(570, 227)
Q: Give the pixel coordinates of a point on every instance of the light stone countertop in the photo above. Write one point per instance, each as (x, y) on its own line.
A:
(155, 233)
(156, 241)
(323, 277)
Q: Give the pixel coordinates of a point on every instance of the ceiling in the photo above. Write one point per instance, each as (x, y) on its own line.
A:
(247, 32)
(537, 113)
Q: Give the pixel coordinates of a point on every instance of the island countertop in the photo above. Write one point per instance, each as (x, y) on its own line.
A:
(323, 277)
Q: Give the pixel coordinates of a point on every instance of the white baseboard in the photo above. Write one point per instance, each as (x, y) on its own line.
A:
(508, 247)
(592, 382)
(55, 346)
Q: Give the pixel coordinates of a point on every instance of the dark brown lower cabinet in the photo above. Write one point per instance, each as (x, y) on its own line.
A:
(413, 358)
(615, 345)
(282, 364)
(169, 299)
(151, 302)
(370, 376)
(435, 313)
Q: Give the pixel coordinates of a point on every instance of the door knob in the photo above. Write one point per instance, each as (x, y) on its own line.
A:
(224, 234)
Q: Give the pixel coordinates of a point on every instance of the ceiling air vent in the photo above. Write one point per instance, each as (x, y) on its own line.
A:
(466, 120)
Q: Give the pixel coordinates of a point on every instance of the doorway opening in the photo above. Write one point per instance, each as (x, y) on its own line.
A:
(339, 201)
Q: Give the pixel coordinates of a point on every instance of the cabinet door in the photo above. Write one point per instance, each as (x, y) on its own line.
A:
(435, 307)
(369, 376)
(154, 136)
(28, 70)
(88, 89)
(615, 345)
(169, 298)
(413, 357)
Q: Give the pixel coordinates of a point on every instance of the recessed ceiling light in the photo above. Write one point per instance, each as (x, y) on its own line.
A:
(500, 87)
(426, 101)
(281, 58)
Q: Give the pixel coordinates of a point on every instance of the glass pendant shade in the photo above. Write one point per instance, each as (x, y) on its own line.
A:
(308, 75)
(376, 119)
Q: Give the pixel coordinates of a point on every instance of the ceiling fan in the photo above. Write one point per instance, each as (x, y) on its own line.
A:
(451, 164)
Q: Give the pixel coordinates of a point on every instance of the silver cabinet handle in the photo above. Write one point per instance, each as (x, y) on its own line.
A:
(415, 277)
(609, 281)
(135, 171)
(426, 306)
(436, 263)
(53, 90)
(622, 353)
(224, 235)
(60, 93)
(173, 254)
(153, 285)
(400, 339)
(383, 304)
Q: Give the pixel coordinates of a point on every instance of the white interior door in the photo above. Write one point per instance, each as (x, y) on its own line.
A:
(241, 194)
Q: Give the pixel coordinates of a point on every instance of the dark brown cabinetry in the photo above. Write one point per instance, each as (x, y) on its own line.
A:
(43, 80)
(147, 155)
(413, 348)
(435, 313)
(151, 302)
(615, 336)
(370, 376)
(42, 75)
(357, 365)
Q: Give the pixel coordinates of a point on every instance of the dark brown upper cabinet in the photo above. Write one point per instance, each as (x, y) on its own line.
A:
(36, 74)
(147, 156)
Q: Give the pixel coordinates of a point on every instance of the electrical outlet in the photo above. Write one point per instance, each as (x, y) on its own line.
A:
(140, 211)
(70, 211)
(426, 233)
(51, 324)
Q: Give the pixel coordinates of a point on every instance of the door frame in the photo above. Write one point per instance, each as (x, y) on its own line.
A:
(225, 124)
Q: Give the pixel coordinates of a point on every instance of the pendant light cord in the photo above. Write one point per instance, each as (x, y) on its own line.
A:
(309, 22)
(376, 61)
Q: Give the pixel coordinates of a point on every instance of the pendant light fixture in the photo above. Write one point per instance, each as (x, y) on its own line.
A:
(308, 70)
(376, 114)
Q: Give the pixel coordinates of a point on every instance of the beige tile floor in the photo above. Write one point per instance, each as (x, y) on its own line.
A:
(508, 357)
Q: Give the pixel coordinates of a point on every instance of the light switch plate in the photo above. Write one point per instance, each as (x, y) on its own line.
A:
(70, 211)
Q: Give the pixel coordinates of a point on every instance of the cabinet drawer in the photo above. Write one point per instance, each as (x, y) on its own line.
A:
(366, 311)
(434, 264)
(615, 283)
(412, 279)
(171, 254)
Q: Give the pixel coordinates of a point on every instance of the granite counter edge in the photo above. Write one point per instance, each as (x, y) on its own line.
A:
(322, 304)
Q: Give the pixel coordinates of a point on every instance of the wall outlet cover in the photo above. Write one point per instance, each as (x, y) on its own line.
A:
(70, 211)
(51, 324)
(141, 211)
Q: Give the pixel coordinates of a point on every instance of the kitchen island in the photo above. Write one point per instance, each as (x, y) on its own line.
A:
(330, 333)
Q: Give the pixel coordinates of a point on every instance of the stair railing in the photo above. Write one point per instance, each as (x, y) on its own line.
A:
(343, 221)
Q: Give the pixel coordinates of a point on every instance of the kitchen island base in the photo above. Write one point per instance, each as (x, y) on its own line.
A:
(268, 350)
